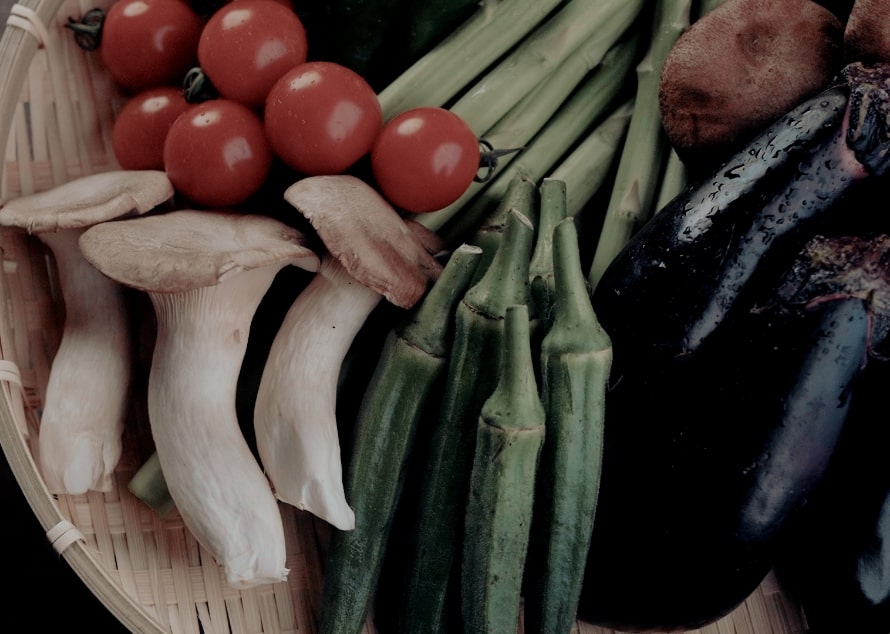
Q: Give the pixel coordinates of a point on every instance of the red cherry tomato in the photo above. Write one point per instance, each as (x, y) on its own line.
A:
(216, 153)
(321, 118)
(149, 43)
(247, 45)
(141, 126)
(424, 159)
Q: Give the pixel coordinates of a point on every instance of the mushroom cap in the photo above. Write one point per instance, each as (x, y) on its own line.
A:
(375, 245)
(187, 249)
(88, 200)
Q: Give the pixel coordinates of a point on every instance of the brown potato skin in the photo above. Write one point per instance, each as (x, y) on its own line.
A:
(741, 66)
(867, 34)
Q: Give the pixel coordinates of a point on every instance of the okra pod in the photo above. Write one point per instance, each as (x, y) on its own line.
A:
(541, 272)
(413, 360)
(471, 378)
(499, 507)
(576, 358)
(521, 194)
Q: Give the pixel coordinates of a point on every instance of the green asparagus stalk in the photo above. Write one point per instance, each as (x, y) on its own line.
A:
(462, 57)
(470, 380)
(645, 147)
(577, 21)
(499, 508)
(673, 181)
(586, 168)
(540, 157)
(576, 357)
(586, 107)
(603, 69)
(411, 364)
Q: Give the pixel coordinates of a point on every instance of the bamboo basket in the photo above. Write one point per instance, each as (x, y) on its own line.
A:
(56, 109)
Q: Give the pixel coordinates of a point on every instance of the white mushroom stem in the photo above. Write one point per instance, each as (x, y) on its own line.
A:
(295, 415)
(79, 443)
(85, 403)
(206, 273)
(219, 489)
(372, 253)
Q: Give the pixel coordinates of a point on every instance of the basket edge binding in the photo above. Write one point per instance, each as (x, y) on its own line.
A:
(18, 47)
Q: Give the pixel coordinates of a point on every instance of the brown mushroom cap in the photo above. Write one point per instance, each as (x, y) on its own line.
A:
(88, 200)
(367, 235)
(187, 249)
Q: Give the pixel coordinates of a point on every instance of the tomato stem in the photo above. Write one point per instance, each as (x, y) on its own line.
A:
(197, 87)
(88, 29)
(488, 159)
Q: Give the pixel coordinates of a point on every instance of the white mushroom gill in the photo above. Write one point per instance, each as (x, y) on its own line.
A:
(295, 417)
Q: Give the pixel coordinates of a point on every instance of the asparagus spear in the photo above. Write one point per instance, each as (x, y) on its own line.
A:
(646, 145)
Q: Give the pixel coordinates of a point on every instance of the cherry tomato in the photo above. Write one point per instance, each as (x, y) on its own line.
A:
(321, 118)
(247, 45)
(141, 126)
(149, 43)
(216, 153)
(424, 159)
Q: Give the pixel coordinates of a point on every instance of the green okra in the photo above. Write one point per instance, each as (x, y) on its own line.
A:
(521, 194)
(499, 507)
(412, 362)
(470, 380)
(576, 358)
(540, 269)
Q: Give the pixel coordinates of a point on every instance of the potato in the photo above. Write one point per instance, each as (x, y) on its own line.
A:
(867, 34)
(740, 67)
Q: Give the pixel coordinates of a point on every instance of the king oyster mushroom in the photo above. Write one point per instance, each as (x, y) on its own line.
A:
(81, 425)
(206, 272)
(372, 253)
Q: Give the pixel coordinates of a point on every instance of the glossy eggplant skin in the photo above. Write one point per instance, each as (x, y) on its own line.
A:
(833, 558)
(707, 458)
(688, 265)
(703, 253)
(732, 374)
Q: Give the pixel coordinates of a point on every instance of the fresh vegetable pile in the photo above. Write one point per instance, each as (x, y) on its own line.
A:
(405, 272)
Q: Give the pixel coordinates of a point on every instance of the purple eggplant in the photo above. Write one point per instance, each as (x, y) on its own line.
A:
(697, 258)
(834, 557)
(733, 369)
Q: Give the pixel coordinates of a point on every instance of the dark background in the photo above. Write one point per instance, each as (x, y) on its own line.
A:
(42, 593)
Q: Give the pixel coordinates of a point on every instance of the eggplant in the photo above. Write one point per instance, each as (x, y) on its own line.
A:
(834, 556)
(833, 559)
(733, 371)
(697, 257)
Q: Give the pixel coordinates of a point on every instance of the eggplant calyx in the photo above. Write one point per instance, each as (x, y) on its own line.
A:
(838, 267)
(868, 132)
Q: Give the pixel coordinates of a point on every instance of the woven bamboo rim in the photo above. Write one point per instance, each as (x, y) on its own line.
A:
(56, 107)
